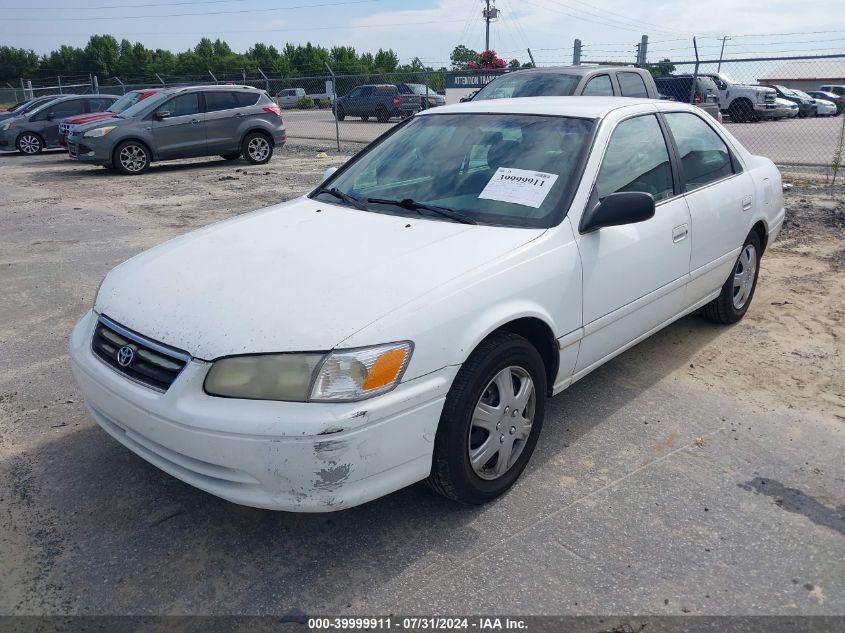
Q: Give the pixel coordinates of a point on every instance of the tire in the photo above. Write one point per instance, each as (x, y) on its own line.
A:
(464, 426)
(257, 148)
(732, 303)
(340, 113)
(382, 114)
(29, 144)
(131, 158)
(231, 156)
(741, 111)
(365, 118)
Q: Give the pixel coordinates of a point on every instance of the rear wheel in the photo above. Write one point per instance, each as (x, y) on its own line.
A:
(340, 113)
(733, 302)
(131, 158)
(365, 118)
(382, 114)
(491, 420)
(29, 143)
(257, 148)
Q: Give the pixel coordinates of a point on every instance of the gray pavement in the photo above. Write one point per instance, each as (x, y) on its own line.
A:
(795, 141)
(646, 495)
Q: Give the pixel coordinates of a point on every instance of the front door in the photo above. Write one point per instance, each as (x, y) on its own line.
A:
(633, 275)
(181, 133)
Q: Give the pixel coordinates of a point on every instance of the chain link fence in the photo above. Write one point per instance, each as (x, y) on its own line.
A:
(801, 129)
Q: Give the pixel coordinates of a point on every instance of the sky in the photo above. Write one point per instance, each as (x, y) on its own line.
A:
(430, 29)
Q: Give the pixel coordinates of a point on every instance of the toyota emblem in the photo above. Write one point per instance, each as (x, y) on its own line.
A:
(125, 355)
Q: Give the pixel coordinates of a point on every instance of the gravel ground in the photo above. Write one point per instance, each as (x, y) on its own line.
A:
(700, 472)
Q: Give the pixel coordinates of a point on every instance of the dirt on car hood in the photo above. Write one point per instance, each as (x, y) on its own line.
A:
(300, 276)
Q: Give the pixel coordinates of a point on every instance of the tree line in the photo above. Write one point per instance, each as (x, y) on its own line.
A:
(105, 56)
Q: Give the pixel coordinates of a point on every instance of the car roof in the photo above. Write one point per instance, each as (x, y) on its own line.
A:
(207, 87)
(581, 107)
(575, 70)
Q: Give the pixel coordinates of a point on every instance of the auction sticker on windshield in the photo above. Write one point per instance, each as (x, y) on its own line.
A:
(519, 186)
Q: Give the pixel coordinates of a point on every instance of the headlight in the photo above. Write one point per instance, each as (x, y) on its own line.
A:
(5, 126)
(99, 131)
(761, 97)
(339, 376)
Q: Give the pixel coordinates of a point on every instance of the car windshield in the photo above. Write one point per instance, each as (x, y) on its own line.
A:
(420, 89)
(528, 84)
(142, 106)
(126, 101)
(500, 169)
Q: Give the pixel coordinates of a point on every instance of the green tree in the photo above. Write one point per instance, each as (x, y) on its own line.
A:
(102, 54)
(514, 64)
(662, 68)
(461, 56)
(385, 61)
(17, 62)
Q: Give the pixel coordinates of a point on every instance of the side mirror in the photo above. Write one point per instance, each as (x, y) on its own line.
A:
(162, 114)
(328, 173)
(617, 209)
(51, 115)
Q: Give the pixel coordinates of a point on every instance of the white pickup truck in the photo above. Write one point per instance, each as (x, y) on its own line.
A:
(742, 102)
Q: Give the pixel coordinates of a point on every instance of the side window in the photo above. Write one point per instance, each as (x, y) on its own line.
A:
(355, 93)
(366, 91)
(631, 85)
(245, 99)
(216, 101)
(182, 105)
(704, 155)
(636, 160)
(598, 87)
(68, 108)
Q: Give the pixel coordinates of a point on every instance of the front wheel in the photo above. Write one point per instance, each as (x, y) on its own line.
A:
(257, 148)
(491, 421)
(131, 158)
(29, 143)
(733, 302)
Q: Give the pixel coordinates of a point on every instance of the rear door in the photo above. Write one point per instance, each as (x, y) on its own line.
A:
(181, 134)
(222, 118)
(632, 85)
(598, 86)
(720, 197)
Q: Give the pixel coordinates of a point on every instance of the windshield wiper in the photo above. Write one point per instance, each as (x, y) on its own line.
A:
(340, 195)
(413, 205)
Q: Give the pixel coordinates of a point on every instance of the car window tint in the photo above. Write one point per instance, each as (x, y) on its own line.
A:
(216, 101)
(528, 84)
(704, 155)
(68, 108)
(598, 87)
(631, 85)
(366, 91)
(182, 105)
(636, 160)
(245, 99)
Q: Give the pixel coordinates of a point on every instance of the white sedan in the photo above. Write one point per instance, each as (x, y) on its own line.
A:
(408, 319)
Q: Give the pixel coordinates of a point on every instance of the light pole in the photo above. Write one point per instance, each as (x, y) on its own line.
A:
(490, 14)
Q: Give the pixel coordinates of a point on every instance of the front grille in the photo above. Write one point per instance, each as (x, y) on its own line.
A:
(152, 364)
(64, 129)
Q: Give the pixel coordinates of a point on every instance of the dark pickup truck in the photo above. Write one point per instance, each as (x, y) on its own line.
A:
(378, 101)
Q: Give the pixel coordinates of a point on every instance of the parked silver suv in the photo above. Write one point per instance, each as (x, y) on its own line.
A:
(186, 122)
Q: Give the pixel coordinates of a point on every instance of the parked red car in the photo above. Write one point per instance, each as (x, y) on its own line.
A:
(127, 100)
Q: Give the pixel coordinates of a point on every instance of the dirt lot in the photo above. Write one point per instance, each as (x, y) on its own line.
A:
(701, 472)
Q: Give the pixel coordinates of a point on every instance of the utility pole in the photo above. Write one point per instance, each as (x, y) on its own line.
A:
(643, 50)
(722, 52)
(490, 14)
(576, 53)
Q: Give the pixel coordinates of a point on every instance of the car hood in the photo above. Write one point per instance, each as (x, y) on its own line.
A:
(300, 276)
(88, 118)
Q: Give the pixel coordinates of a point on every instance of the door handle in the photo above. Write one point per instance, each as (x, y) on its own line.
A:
(194, 121)
(679, 233)
(747, 203)
(240, 115)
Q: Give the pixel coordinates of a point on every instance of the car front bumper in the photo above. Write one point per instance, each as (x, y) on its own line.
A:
(7, 139)
(97, 151)
(302, 457)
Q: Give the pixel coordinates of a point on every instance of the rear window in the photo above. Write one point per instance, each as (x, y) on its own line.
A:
(247, 98)
(528, 84)
(223, 100)
(632, 85)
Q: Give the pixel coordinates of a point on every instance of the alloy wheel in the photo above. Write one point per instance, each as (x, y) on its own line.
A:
(501, 423)
(258, 148)
(29, 144)
(744, 273)
(133, 158)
